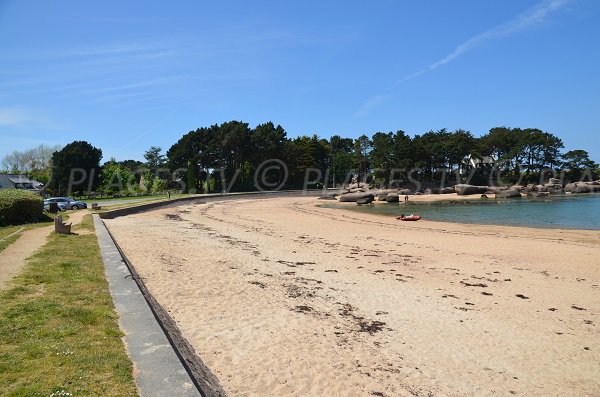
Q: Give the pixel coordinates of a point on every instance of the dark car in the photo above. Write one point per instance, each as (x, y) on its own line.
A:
(67, 202)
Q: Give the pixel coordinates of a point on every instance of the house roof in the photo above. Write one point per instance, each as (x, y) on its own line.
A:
(19, 179)
(8, 181)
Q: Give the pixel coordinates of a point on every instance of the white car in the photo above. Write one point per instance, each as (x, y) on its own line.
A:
(61, 206)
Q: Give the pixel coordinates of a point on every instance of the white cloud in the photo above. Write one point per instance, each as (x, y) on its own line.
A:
(12, 116)
(25, 117)
(526, 20)
(371, 104)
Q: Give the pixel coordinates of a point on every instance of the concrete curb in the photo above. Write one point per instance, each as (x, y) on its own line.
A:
(158, 370)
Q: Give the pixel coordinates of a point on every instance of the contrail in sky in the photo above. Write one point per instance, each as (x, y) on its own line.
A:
(533, 16)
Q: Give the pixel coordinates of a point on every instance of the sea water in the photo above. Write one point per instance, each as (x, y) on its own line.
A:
(565, 211)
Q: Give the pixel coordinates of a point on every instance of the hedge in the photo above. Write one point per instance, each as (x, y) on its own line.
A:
(19, 206)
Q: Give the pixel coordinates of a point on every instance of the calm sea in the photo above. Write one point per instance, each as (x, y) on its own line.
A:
(569, 211)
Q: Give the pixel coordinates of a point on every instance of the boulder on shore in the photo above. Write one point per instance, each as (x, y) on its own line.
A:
(554, 181)
(384, 191)
(569, 187)
(405, 192)
(463, 190)
(496, 189)
(441, 190)
(360, 185)
(554, 188)
(392, 198)
(510, 193)
(537, 194)
(365, 200)
(357, 189)
(583, 187)
(447, 190)
(353, 197)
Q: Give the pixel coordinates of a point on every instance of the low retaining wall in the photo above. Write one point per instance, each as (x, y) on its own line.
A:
(203, 197)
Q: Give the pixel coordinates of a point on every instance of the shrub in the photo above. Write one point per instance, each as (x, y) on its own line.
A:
(19, 206)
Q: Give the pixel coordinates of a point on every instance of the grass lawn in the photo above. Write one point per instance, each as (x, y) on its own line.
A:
(9, 234)
(58, 327)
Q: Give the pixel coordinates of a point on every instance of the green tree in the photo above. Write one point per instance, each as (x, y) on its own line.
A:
(342, 164)
(383, 156)
(362, 149)
(267, 142)
(459, 145)
(504, 145)
(341, 145)
(431, 152)
(232, 146)
(116, 179)
(75, 168)
(576, 162)
(154, 159)
(192, 153)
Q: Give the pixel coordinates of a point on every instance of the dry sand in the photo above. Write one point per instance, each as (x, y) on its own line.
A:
(282, 298)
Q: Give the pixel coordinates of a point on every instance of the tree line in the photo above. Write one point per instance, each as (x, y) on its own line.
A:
(520, 154)
(229, 156)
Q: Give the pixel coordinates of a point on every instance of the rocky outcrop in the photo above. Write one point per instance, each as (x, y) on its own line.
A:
(382, 193)
(510, 193)
(583, 187)
(464, 190)
(437, 190)
(392, 198)
(357, 190)
(353, 197)
(537, 194)
(554, 188)
(496, 189)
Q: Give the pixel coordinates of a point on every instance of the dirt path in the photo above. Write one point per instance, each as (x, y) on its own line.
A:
(13, 257)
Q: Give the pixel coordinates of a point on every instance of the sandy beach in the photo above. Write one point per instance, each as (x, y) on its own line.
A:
(280, 297)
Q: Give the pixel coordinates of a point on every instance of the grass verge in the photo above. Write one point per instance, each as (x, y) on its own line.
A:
(139, 198)
(58, 326)
(9, 235)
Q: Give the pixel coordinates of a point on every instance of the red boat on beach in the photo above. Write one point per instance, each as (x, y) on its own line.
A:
(408, 218)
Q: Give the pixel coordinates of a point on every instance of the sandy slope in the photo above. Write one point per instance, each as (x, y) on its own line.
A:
(280, 297)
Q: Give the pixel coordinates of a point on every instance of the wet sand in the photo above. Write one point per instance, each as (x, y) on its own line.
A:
(282, 298)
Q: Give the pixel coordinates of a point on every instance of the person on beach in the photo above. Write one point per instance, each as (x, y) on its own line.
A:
(406, 198)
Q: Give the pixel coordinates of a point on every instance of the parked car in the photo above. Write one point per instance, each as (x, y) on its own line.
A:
(68, 202)
(61, 206)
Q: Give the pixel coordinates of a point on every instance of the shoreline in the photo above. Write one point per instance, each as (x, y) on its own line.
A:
(462, 202)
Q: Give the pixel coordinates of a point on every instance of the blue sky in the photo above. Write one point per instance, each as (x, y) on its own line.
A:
(128, 75)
